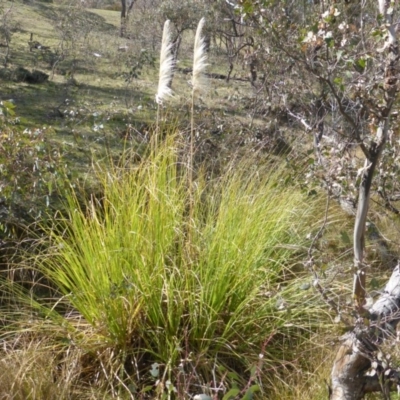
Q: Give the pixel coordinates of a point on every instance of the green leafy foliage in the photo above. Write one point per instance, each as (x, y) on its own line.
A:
(31, 166)
(138, 63)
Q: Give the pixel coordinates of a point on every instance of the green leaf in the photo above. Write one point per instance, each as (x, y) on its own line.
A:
(345, 237)
(132, 388)
(330, 42)
(314, 28)
(247, 7)
(8, 108)
(362, 62)
(8, 105)
(254, 388)
(374, 284)
(338, 80)
(377, 33)
(360, 65)
(250, 391)
(232, 393)
(233, 375)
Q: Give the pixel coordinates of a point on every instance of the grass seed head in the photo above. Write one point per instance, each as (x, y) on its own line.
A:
(199, 59)
(166, 65)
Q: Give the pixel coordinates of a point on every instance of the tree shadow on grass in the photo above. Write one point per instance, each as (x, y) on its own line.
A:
(35, 103)
(84, 18)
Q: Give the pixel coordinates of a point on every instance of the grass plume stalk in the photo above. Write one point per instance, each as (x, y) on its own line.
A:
(198, 83)
(166, 69)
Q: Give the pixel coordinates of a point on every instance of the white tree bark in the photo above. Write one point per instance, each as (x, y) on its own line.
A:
(358, 350)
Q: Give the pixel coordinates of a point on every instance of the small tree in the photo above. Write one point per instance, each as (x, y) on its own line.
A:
(124, 15)
(73, 26)
(343, 59)
(358, 353)
(6, 29)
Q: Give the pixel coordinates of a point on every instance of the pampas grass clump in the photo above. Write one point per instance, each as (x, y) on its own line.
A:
(154, 284)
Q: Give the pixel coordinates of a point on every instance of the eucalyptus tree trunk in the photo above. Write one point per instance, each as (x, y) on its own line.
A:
(124, 16)
(123, 19)
(358, 353)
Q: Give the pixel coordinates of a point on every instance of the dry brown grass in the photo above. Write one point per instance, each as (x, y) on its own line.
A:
(33, 369)
(308, 381)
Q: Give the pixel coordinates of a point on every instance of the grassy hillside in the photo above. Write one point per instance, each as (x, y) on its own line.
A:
(99, 100)
(89, 75)
(124, 278)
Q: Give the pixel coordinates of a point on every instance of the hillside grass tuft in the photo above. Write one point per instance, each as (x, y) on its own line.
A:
(160, 300)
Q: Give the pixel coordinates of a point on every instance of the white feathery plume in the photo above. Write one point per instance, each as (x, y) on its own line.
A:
(198, 83)
(199, 59)
(166, 65)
